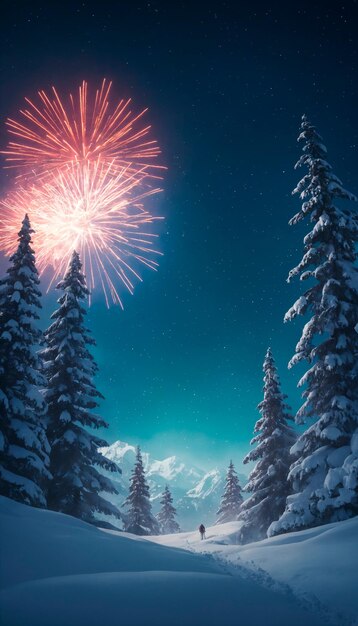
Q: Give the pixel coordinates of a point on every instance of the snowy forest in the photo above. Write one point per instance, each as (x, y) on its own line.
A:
(305, 467)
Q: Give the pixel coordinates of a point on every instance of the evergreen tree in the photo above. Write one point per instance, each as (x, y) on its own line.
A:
(325, 475)
(232, 499)
(166, 516)
(268, 483)
(71, 396)
(139, 519)
(24, 448)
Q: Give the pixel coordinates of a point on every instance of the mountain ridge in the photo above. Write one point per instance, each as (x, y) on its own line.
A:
(196, 492)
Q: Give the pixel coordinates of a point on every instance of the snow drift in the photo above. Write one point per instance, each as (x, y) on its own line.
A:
(319, 564)
(57, 570)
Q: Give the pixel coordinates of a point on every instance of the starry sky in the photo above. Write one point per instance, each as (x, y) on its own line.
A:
(226, 84)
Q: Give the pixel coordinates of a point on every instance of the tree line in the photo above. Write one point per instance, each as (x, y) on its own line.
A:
(309, 479)
(49, 454)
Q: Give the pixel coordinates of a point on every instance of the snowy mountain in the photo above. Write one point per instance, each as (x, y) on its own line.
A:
(196, 493)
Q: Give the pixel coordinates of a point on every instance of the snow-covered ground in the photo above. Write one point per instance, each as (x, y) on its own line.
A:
(319, 565)
(58, 571)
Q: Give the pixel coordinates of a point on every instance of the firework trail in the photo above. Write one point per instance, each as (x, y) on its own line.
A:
(54, 134)
(88, 209)
(84, 173)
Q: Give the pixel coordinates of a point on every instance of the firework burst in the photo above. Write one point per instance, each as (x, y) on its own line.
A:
(88, 208)
(84, 170)
(54, 133)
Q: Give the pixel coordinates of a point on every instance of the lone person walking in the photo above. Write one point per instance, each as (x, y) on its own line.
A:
(202, 531)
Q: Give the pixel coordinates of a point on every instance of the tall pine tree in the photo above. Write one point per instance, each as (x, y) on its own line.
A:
(139, 519)
(325, 475)
(268, 483)
(71, 396)
(232, 499)
(166, 516)
(24, 448)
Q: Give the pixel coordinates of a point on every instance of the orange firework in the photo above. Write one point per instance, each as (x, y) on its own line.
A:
(54, 134)
(90, 208)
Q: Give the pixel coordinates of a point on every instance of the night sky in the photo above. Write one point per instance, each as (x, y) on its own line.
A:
(226, 86)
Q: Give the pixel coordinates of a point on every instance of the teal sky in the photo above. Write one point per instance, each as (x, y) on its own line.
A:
(180, 367)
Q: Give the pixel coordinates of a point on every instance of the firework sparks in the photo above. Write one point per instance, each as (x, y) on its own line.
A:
(84, 168)
(88, 208)
(54, 134)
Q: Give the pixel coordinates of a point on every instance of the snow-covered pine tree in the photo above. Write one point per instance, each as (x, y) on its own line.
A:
(268, 483)
(232, 499)
(71, 396)
(139, 520)
(166, 516)
(325, 475)
(24, 449)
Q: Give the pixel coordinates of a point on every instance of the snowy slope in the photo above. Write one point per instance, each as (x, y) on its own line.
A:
(196, 493)
(58, 571)
(319, 564)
